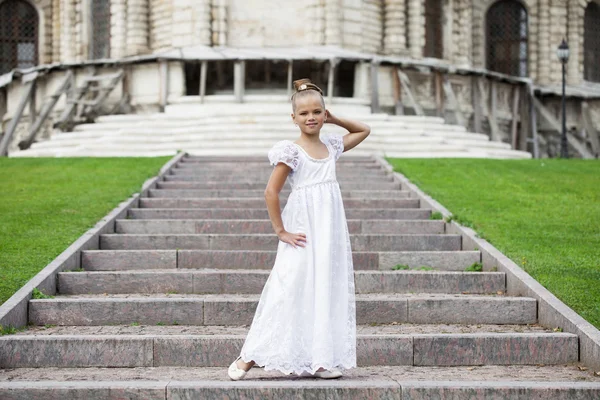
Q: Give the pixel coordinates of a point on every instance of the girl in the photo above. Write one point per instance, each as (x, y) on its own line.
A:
(305, 322)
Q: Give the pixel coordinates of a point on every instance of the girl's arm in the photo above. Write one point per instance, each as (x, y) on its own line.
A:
(274, 186)
(357, 130)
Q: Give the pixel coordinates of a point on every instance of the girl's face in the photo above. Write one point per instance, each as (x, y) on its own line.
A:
(310, 114)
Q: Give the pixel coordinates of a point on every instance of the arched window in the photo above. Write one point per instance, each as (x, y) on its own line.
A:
(434, 46)
(506, 36)
(591, 43)
(18, 35)
(100, 43)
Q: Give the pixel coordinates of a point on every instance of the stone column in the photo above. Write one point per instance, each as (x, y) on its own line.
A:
(333, 22)
(219, 22)
(461, 35)
(544, 52)
(316, 12)
(478, 34)
(558, 31)
(575, 29)
(161, 14)
(118, 28)
(67, 23)
(416, 28)
(56, 30)
(394, 41)
(202, 28)
(137, 27)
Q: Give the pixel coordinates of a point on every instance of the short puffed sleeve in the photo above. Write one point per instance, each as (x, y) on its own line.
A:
(337, 143)
(284, 152)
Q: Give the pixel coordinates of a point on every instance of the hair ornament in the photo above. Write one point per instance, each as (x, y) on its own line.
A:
(302, 87)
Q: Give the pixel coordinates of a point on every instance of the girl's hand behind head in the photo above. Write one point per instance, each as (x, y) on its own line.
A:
(330, 118)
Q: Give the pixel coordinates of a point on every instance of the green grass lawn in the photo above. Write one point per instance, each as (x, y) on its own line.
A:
(46, 204)
(543, 214)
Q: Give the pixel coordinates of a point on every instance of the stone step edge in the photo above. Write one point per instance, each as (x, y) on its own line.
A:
(218, 350)
(346, 389)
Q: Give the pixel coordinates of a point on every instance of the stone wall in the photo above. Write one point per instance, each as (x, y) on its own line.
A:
(395, 27)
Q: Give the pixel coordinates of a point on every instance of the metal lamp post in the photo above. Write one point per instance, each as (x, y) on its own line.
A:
(563, 56)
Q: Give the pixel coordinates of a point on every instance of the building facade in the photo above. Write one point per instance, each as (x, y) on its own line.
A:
(513, 37)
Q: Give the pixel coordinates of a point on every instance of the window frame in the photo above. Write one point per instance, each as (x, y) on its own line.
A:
(510, 66)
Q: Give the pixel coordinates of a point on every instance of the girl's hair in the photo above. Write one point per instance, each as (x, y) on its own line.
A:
(303, 88)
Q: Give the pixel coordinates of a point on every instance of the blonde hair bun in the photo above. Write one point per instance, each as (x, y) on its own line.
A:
(306, 84)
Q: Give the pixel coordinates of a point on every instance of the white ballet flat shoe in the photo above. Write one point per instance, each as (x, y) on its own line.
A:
(327, 374)
(235, 372)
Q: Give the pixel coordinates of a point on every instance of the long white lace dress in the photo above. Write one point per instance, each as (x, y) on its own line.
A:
(306, 316)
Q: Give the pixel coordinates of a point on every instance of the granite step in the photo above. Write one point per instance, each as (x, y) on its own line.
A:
(249, 202)
(264, 165)
(561, 382)
(211, 281)
(215, 185)
(123, 260)
(261, 213)
(344, 159)
(249, 173)
(359, 242)
(238, 309)
(209, 346)
(264, 226)
(244, 176)
(225, 193)
(237, 178)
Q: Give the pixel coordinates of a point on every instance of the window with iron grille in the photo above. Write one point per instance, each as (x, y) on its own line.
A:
(100, 43)
(591, 43)
(434, 46)
(506, 36)
(18, 35)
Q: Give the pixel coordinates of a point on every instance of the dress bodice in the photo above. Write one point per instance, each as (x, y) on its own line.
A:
(306, 170)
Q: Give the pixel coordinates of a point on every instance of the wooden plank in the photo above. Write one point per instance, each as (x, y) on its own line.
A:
(493, 116)
(405, 83)
(203, 72)
(591, 130)
(572, 140)
(534, 125)
(476, 103)
(331, 79)
(3, 108)
(375, 88)
(49, 104)
(239, 80)
(495, 130)
(16, 117)
(515, 116)
(399, 108)
(164, 85)
(525, 121)
(453, 102)
(439, 96)
(290, 78)
(33, 104)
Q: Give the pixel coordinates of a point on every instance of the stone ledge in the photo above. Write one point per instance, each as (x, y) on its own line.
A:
(14, 311)
(551, 311)
(346, 389)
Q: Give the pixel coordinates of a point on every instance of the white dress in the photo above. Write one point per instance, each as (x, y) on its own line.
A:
(306, 316)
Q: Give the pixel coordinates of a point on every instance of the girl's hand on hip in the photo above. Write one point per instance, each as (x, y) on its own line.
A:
(295, 239)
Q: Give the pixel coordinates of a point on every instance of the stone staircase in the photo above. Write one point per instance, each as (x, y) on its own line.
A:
(163, 307)
(252, 128)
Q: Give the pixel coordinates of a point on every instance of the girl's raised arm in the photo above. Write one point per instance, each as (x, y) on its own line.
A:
(357, 131)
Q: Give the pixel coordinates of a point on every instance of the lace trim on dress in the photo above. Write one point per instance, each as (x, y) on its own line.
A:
(337, 143)
(284, 152)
